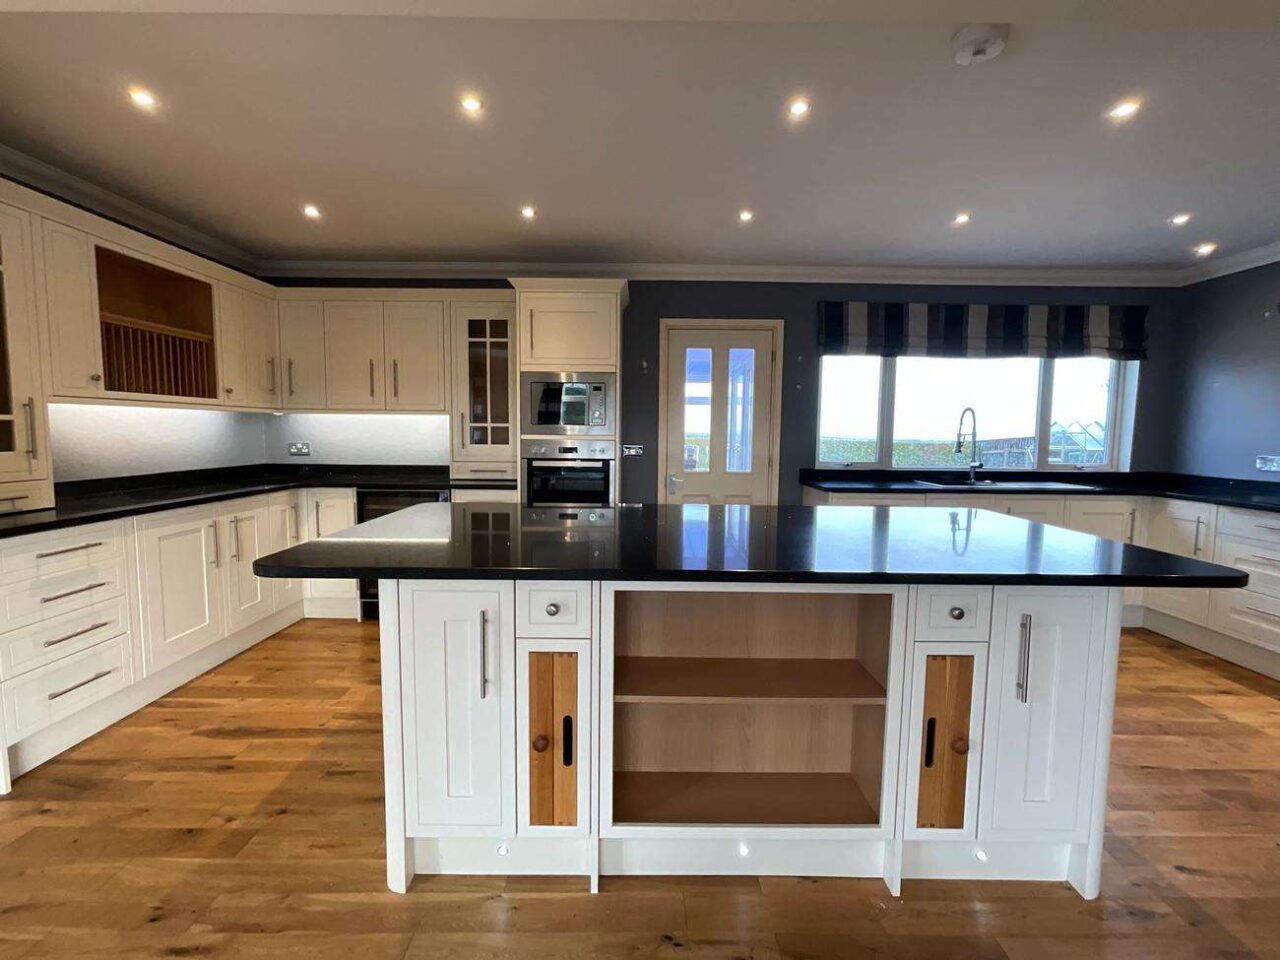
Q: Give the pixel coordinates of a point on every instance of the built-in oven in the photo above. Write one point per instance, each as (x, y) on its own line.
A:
(371, 503)
(568, 404)
(568, 473)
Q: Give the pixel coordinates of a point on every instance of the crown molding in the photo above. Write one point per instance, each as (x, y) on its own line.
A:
(1233, 263)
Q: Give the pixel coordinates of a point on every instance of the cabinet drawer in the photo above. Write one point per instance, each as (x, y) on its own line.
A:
(31, 647)
(953, 613)
(44, 696)
(1250, 524)
(34, 601)
(553, 608)
(25, 495)
(48, 553)
(1247, 616)
(1262, 563)
(875, 500)
(482, 471)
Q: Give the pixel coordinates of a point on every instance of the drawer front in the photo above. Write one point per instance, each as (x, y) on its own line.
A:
(45, 554)
(30, 647)
(1247, 616)
(26, 495)
(553, 608)
(1261, 563)
(1250, 525)
(876, 500)
(953, 613)
(34, 601)
(44, 696)
(482, 471)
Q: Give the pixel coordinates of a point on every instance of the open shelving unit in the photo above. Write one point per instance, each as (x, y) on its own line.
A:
(749, 708)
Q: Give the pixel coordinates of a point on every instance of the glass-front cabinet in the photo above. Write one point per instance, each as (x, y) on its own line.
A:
(484, 381)
(22, 440)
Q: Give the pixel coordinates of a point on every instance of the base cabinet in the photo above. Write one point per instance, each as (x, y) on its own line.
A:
(457, 653)
(249, 598)
(328, 511)
(180, 559)
(1042, 713)
(553, 736)
(285, 523)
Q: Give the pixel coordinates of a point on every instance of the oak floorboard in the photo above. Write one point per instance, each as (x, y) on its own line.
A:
(241, 818)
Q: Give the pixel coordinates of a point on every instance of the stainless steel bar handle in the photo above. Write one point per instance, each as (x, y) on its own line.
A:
(83, 683)
(297, 527)
(30, 408)
(462, 429)
(271, 370)
(1024, 659)
(371, 376)
(318, 519)
(1272, 529)
(78, 546)
(217, 550)
(79, 633)
(395, 379)
(71, 593)
(1133, 523)
(1195, 546)
(1265, 613)
(13, 501)
(1263, 556)
(291, 376)
(235, 538)
(531, 331)
(484, 652)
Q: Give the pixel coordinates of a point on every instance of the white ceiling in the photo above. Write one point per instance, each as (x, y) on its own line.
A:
(638, 141)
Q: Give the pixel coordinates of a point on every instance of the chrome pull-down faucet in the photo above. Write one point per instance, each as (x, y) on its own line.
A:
(974, 463)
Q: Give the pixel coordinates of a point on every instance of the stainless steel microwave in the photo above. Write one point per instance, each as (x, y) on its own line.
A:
(568, 404)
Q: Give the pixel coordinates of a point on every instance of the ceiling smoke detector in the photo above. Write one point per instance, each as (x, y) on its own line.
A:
(977, 42)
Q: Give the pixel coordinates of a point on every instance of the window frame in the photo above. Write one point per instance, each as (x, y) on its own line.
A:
(1117, 416)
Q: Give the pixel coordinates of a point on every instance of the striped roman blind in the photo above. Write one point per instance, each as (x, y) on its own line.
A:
(978, 330)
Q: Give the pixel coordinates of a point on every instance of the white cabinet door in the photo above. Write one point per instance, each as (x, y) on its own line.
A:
(180, 560)
(416, 362)
(71, 312)
(353, 352)
(1043, 707)
(261, 348)
(1187, 529)
(329, 511)
(302, 354)
(967, 501)
(457, 644)
(286, 530)
(231, 345)
(249, 598)
(1104, 517)
(1039, 509)
(23, 441)
(568, 331)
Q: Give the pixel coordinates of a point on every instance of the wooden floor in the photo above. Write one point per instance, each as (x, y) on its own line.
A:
(242, 817)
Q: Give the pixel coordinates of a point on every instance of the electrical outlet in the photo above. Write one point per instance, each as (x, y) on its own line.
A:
(1269, 463)
(299, 448)
(633, 449)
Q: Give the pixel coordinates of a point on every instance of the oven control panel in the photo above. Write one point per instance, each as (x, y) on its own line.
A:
(563, 448)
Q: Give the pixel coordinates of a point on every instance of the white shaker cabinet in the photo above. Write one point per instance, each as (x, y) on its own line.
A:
(285, 521)
(457, 660)
(416, 362)
(1187, 529)
(354, 356)
(248, 364)
(302, 354)
(70, 312)
(1111, 518)
(249, 598)
(328, 511)
(1046, 662)
(180, 560)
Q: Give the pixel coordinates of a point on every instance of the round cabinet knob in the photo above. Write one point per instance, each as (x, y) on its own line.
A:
(229, 391)
(960, 745)
(956, 613)
(540, 743)
(553, 609)
(95, 377)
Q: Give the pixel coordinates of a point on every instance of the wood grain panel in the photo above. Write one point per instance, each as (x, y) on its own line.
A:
(756, 798)
(944, 751)
(553, 697)
(725, 679)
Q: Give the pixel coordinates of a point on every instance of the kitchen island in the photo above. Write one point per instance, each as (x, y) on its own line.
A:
(885, 692)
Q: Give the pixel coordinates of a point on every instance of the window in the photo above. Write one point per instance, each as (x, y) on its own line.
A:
(905, 411)
(930, 394)
(849, 410)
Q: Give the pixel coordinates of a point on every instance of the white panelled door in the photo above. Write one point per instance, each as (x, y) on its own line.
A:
(718, 415)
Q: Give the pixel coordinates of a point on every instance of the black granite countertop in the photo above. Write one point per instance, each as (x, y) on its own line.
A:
(830, 544)
(90, 501)
(1248, 494)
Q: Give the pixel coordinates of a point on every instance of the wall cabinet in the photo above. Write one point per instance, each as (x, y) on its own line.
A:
(302, 354)
(1045, 666)
(181, 584)
(457, 652)
(417, 362)
(568, 331)
(354, 356)
(248, 348)
(70, 312)
(484, 382)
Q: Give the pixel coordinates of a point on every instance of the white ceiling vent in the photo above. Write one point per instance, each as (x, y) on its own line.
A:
(976, 42)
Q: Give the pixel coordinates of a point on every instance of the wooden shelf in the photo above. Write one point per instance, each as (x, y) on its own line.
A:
(740, 798)
(726, 680)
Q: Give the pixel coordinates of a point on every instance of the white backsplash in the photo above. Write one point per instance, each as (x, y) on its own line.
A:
(408, 439)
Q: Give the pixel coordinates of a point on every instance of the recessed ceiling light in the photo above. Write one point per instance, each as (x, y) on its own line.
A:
(528, 211)
(746, 216)
(143, 99)
(961, 219)
(798, 108)
(1204, 249)
(311, 211)
(1179, 220)
(1124, 110)
(471, 104)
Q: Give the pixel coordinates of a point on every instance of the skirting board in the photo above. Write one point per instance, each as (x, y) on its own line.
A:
(783, 858)
(26, 755)
(509, 855)
(1248, 655)
(332, 608)
(1005, 860)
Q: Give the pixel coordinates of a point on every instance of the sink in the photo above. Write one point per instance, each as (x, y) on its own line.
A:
(1003, 485)
(961, 484)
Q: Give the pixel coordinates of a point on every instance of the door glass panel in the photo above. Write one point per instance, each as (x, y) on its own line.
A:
(499, 401)
(479, 436)
(478, 376)
(498, 329)
(697, 410)
(475, 329)
(742, 383)
(500, 436)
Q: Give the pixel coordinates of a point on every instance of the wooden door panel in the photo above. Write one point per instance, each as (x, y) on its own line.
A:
(944, 757)
(553, 746)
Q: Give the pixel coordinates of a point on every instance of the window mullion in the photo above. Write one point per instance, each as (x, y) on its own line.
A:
(884, 426)
(1044, 415)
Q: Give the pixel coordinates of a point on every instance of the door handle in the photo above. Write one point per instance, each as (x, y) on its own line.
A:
(540, 743)
(1195, 546)
(271, 371)
(297, 527)
(395, 379)
(30, 409)
(1023, 682)
(462, 430)
(566, 741)
(672, 480)
(83, 683)
(71, 593)
(79, 633)
(484, 652)
(1133, 523)
(318, 533)
(235, 538)
(370, 376)
(78, 546)
(217, 550)
(291, 376)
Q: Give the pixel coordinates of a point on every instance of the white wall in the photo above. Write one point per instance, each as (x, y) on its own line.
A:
(96, 440)
(409, 439)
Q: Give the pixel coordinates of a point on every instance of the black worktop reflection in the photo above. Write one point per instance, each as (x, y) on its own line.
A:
(828, 544)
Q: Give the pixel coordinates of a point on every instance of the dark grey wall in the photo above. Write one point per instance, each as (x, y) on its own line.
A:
(797, 305)
(1226, 408)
